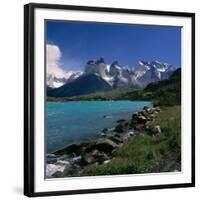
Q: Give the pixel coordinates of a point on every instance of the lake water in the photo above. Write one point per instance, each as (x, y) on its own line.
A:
(71, 122)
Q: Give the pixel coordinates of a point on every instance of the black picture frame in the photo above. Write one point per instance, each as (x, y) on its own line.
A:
(29, 80)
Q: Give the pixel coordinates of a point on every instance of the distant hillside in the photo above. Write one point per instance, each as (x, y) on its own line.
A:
(165, 92)
(86, 84)
(100, 96)
(172, 83)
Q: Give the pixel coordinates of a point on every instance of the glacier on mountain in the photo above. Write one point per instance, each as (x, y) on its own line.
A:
(116, 75)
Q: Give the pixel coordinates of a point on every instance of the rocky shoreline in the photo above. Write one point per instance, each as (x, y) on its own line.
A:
(86, 155)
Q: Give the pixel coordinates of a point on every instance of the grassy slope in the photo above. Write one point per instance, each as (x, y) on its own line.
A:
(163, 93)
(145, 154)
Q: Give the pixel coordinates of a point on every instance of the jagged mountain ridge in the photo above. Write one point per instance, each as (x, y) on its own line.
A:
(121, 76)
(115, 76)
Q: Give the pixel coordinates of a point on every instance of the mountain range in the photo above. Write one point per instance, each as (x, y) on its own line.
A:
(100, 76)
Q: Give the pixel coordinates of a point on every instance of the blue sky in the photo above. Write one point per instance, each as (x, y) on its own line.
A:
(80, 42)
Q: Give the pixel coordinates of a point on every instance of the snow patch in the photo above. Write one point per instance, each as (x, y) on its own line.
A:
(108, 68)
(57, 84)
(52, 169)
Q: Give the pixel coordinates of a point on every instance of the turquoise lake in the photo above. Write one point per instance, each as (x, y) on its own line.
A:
(71, 122)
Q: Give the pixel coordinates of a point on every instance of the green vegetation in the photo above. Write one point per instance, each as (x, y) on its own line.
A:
(56, 99)
(102, 96)
(97, 96)
(146, 154)
(162, 93)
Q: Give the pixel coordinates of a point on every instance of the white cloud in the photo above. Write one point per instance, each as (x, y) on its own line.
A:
(53, 54)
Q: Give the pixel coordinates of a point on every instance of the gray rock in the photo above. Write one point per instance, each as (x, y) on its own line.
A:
(131, 133)
(88, 159)
(145, 108)
(156, 130)
(95, 153)
(96, 156)
(51, 160)
(106, 161)
(75, 159)
(157, 109)
(134, 115)
(62, 173)
(63, 162)
(105, 145)
(141, 119)
(120, 128)
(152, 116)
(115, 139)
(56, 170)
(148, 110)
(117, 135)
(139, 127)
(121, 121)
(142, 113)
(104, 130)
(103, 134)
(102, 145)
(102, 157)
(76, 148)
(51, 155)
(151, 110)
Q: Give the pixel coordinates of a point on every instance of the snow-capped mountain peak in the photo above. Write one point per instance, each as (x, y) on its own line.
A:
(147, 72)
(121, 76)
(116, 75)
(56, 80)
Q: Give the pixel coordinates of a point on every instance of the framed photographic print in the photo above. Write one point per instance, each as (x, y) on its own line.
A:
(108, 99)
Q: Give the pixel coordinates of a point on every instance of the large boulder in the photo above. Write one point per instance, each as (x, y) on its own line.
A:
(76, 148)
(156, 130)
(57, 170)
(115, 139)
(119, 128)
(105, 145)
(94, 156)
(122, 127)
(141, 119)
(51, 158)
(139, 127)
(145, 108)
(104, 130)
(102, 145)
